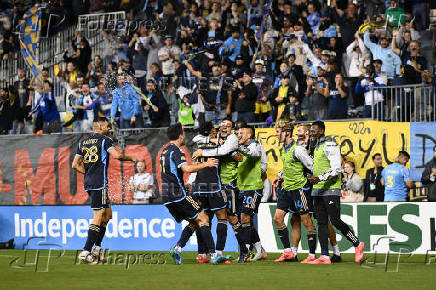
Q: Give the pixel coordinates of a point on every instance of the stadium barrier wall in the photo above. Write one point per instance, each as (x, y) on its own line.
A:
(133, 227)
(36, 170)
(384, 227)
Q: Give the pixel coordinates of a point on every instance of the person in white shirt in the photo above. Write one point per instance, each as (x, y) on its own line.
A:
(141, 184)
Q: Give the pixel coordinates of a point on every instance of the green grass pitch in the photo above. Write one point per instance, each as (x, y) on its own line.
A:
(63, 273)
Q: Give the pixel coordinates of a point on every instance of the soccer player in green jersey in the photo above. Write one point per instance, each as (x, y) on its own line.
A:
(295, 194)
(326, 192)
(250, 185)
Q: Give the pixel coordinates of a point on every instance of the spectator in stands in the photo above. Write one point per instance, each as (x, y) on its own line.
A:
(263, 83)
(6, 113)
(337, 98)
(317, 91)
(428, 177)
(420, 10)
(356, 52)
(395, 15)
(24, 103)
(141, 184)
(125, 98)
(120, 49)
(364, 85)
(167, 54)
(245, 102)
(232, 45)
(85, 101)
(158, 110)
(391, 61)
(139, 62)
(352, 184)
(46, 106)
(372, 187)
(103, 101)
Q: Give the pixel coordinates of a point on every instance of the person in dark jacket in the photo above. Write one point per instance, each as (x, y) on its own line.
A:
(5, 112)
(428, 177)
(246, 99)
(372, 188)
(159, 110)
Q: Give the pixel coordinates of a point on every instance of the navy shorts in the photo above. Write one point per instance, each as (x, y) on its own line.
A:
(213, 201)
(234, 201)
(298, 201)
(99, 199)
(250, 201)
(185, 209)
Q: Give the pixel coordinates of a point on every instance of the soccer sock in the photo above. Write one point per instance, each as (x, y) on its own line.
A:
(186, 234)
(294, 250)
(284, 236)
(237, 228)
(207, 238)
(245, 237)
(323, 233)
(311, 241)
(221, 234)
(202, 248)
(101, 235)
(93, 234)
(336, 250)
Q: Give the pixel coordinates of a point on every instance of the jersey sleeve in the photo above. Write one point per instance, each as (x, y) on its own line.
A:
(108, 144)
(178, 157)
(406, 174)
(79, 150)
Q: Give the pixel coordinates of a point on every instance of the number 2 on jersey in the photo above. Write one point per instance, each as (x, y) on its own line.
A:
(91, 154)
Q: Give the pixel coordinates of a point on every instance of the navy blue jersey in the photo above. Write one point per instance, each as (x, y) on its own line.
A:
(171, 161)
(208, 179)
(94, 152)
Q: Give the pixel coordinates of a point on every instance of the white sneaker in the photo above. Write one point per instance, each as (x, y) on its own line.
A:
(258, 256)
(87, 257)
(98, 254)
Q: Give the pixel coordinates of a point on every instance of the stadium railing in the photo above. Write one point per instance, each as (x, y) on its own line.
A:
(409, 103)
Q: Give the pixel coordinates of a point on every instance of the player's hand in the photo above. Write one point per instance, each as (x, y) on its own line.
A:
(197, 154)
(155, 108)
(212, 162)
(276, 182)
(147, 107)
(112, 120)
(133, 120)
(237, 157)
(313, 179)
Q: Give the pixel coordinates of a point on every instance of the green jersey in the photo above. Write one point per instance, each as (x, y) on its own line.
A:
(293, 169)
(250, 170)
(321, 165)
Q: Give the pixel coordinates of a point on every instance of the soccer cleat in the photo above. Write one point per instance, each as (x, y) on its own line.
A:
(321, 261)
(336, 259)
(176, 255)
(202, 260)
(87, 257)
(244, 258)
(98, 253)
(217, 259)
(309, 258)
(286, 256)
(358, 257)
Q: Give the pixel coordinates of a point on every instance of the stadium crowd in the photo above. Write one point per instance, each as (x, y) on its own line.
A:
(197, 61)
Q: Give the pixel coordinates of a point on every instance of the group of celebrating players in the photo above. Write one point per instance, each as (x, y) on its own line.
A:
(227, 179)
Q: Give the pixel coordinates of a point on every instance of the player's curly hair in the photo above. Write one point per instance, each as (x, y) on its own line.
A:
(285, 126)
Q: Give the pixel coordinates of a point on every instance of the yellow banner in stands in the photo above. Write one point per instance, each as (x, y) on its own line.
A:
(359, 141)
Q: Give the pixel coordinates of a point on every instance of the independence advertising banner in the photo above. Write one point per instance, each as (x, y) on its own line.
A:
(133, 227)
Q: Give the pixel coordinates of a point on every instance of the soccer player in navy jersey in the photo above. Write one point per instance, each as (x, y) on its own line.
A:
(92, 160)
(181, 204)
